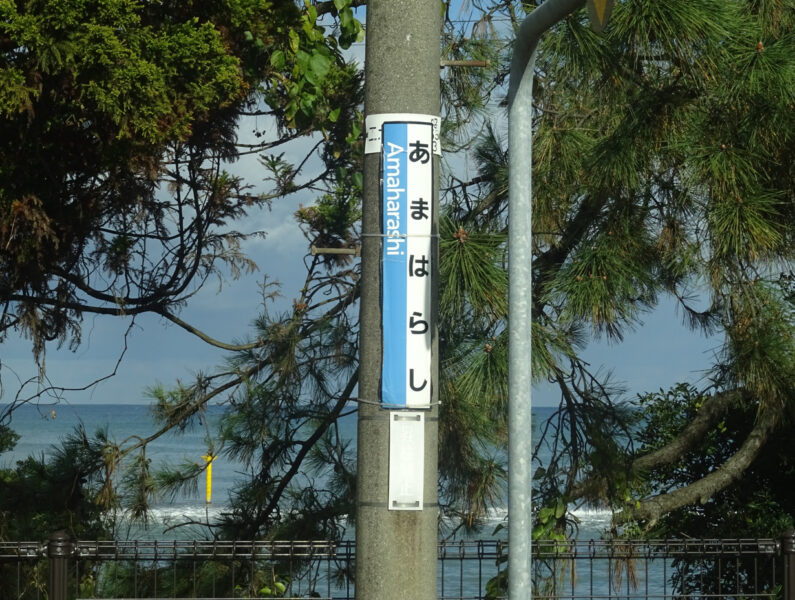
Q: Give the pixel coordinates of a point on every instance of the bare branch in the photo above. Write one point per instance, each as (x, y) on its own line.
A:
(206, 338)
(56, 391)
(309, 443)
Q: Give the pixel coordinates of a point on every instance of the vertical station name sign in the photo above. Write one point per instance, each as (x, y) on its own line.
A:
(406, 219)
(406, 143)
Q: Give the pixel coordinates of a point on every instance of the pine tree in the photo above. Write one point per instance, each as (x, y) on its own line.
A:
(662, 167)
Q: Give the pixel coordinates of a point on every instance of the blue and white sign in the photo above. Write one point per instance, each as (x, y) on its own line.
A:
(406, 205)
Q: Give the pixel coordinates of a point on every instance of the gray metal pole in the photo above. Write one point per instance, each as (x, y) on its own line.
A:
(788, 551)
(396, 551)
(59, 549)
(520, 248)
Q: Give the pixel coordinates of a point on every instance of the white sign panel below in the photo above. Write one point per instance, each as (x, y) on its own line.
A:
(406, 460)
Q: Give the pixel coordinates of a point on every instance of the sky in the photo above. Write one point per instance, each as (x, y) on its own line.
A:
(656, 355)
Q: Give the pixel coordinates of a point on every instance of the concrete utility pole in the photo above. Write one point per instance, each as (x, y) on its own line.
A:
(396, 550)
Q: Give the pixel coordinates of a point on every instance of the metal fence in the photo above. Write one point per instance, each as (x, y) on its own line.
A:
(62, 569)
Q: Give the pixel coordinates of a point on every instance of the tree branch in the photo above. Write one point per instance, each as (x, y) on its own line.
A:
(206, 338)
(324, 8)
(309, 443)
(240, 375)
(651, 509)
(712, 410)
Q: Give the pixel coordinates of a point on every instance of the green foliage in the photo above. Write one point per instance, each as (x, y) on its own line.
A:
(39, 495)
(185, 578)
(117, 119)
(106, 104)
(303, 83)
(609, 275)
(668, 178)
(281, 423)
(472, 271)
(662, 169)
(761, 507)
(8, 438)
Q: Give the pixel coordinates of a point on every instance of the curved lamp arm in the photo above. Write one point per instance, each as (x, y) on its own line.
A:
(520, 256)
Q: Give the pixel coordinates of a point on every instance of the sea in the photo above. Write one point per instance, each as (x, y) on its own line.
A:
(42, 427)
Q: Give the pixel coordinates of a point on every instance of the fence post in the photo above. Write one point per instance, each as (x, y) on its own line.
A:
(59, 549)
(788, 552)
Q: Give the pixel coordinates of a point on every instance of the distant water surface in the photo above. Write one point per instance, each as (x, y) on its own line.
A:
(42, 427)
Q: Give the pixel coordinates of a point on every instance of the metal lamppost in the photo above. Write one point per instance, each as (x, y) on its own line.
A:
(520, 248)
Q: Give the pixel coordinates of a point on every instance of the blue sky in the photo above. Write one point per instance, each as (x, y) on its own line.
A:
(656, 355)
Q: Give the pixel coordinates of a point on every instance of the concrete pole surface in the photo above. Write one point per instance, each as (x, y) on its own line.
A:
(520, 285)
(396, 551)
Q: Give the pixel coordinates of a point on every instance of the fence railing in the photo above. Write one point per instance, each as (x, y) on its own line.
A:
(62, 569)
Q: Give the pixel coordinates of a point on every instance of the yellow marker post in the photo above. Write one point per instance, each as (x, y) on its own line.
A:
(599, 13)
(209, 479)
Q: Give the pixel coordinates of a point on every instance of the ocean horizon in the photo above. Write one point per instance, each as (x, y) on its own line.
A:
(41, 428)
